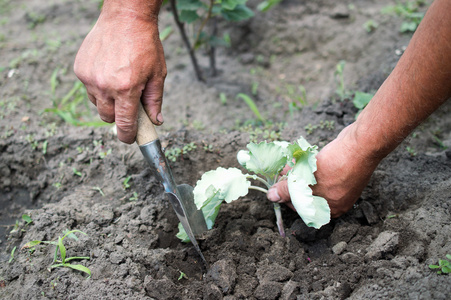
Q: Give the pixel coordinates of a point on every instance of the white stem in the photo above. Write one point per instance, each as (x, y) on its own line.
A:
(253, 187)
(279, 219)
(261, 180)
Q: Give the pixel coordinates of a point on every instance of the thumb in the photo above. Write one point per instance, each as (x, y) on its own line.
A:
(279, 192)
(152, 99)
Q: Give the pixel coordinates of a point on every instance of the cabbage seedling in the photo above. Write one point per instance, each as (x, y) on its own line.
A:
(266, 161)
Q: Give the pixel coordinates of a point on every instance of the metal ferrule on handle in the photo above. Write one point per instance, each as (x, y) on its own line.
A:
(154, 155)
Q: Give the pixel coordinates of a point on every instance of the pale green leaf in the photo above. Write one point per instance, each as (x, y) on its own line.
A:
(239, 13)
(266, 159)
(225, 184)
(305, 157)
(313, 210)
(188, 16)
(361, 99)
(189, 4)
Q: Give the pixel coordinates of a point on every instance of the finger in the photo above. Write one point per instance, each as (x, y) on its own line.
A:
(152, 99)
(126, 120)
(105, 107)
(279, 193)
(286, 169)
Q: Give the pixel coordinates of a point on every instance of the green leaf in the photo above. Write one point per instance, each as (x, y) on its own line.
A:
(448, 256)
(225, 184)
(75, 267)
(188, 16)
(62, 249)
(240, 13)
(266, 159)
(361, 99)
(434, 267)
(229, 4)
(251, 105)
(305, 156)
(189, 4)
(182, 235)
(31, 244)
(12, 255)
(27, 218)
(267, 4)
(313, 210)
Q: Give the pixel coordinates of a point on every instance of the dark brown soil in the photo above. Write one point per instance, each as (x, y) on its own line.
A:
(67, 177)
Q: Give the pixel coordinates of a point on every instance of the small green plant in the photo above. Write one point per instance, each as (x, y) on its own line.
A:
(266, 161)
(189, 147)
(73, 107)
(409, 12)
(361, 100)
(370, 26)
(339, 79)
(173, 153)
(12, 255)
(97, 188)
(76, 172)
(223, 98)
(411, 151)
(329, 125)
(248, 100)
(444, 265)
(60, 249)
(134, 197)
(125, 183)
(182, 275)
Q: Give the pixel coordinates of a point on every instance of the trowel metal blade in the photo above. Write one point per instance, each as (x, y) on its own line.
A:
(180, 211)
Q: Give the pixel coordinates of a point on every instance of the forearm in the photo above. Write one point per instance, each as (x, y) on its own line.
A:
(418, 85)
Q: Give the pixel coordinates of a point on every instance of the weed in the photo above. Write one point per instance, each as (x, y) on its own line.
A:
(189, 147)
(173, 153)
(78, 173)
(443, 264)
(248, 100)
(208, 148)
(182, 275)
(34, 19)
(134, 197)
(411, 151)
(125, 183)
(329, 125)
(370, 26)
(223, 98)
(268, 132)
(198, 125)
(12, 255)
(339, 79)
(409, 12)
(73, 107)
(97, 188)
(361, 100)
(61, 249)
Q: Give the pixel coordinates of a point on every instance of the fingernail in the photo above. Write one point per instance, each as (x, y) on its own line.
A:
(160, 118)
(273, 195)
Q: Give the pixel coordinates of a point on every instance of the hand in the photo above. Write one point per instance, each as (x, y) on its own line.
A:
(121, 62)
(343, 172)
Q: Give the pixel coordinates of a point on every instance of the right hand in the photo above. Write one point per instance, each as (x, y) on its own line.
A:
(343, 172)
(121, 62)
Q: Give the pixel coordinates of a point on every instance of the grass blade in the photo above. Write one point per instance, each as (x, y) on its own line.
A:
(252, 106)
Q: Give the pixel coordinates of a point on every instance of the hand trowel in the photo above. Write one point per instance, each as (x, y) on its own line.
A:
(180, 196)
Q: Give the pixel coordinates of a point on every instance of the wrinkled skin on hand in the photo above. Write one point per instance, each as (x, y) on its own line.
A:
(121, 62)
(343, 172)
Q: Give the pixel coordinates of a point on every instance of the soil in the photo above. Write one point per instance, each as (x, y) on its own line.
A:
(66, 177)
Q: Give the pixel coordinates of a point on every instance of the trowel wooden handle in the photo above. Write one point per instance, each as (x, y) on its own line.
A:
(146, 129)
